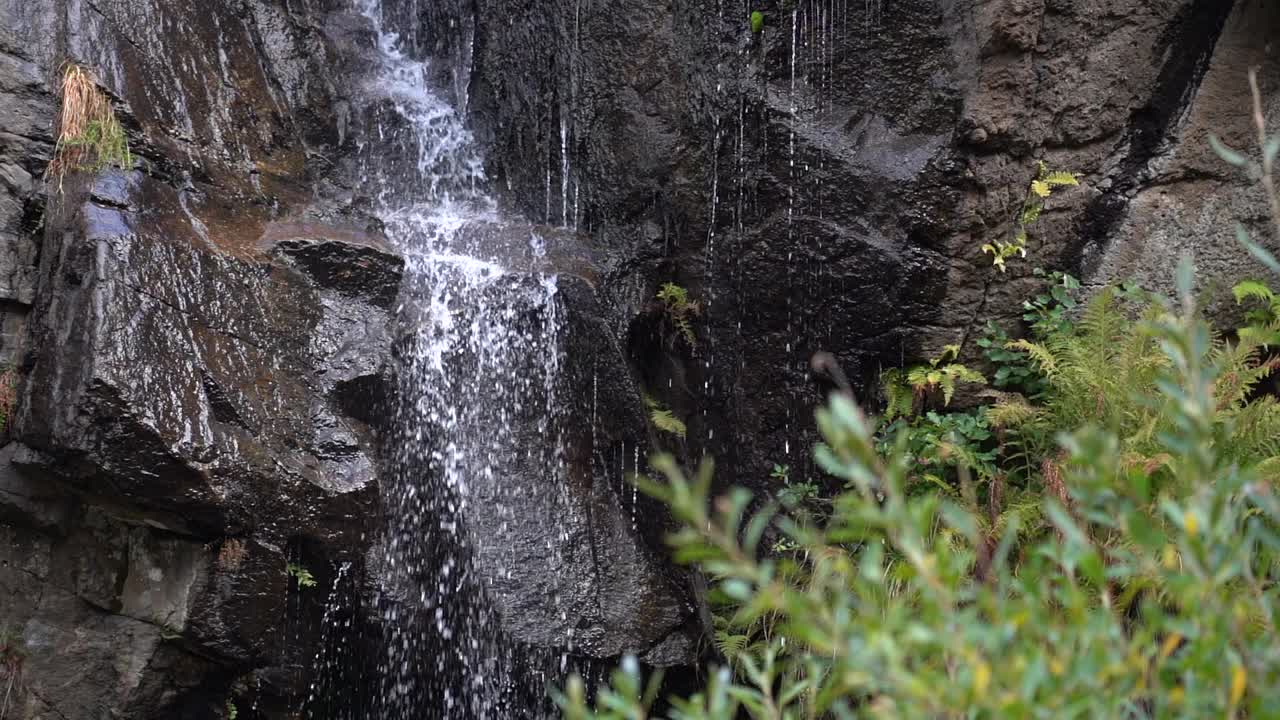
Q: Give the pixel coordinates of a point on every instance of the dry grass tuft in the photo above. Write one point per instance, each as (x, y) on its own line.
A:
(231, 554)
(89, 137)
(8, 395)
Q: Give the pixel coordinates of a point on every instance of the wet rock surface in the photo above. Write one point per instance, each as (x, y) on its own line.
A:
(827, 184)
(205, 346)
(206, 343)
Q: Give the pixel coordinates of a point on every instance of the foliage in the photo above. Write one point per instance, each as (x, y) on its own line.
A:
(301, 574)
(1050, 310)
(1107, 371)
(1014, 371)
(1041, 189)
(89, 136)
(1262, 320)
(757, 21)
(232, 711)
(938, 441)
(663, 419)
(906, 390)
(1155, 595)
(680, 310)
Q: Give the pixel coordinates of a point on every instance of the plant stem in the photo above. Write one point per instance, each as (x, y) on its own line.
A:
(1268, 179)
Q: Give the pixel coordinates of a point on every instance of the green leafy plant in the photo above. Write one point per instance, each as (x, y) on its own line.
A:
(89, 135)
(1041, 189)
(663, 419)
(1147, 599)
(232, 712)
(301, 574)
(906, 391)
(1013, 370)
(757, 21)
(680, 310)
(1050, 310)
(1262, 319)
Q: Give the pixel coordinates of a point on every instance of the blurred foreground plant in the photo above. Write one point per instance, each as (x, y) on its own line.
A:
(1154, 596)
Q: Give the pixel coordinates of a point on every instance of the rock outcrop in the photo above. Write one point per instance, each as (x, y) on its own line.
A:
(827, 183)
(205, 345)
(203, 352)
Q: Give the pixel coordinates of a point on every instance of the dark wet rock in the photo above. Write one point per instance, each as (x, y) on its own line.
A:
(192, 334)
(827, 184)
(206, 340)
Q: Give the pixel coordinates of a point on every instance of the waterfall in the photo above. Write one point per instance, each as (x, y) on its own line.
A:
(476, 411)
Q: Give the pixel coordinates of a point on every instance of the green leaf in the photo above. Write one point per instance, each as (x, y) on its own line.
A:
(757, 21)
(1228, 155)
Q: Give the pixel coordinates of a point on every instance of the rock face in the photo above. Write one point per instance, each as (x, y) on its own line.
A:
(206, 344)
(204, 349)
(827, 183)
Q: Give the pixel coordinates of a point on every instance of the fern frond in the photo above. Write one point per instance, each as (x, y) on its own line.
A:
(1039, 354)
(1059, 178)
(1041, 188)
(898, 395)
(731, 645)
(1252, 290)
(1011, 410)
(665, 421)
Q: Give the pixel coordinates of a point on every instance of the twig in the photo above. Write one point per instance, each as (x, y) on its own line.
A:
(1268, 180)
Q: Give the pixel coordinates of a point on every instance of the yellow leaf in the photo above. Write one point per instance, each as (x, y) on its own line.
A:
(1238, 681)
(981, 678)
(1041, 188)
(1170, 557)
(1169, 645)
(1191, 523)
(1177, 695)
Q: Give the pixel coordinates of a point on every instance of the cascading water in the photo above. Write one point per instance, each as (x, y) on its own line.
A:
(477, 407)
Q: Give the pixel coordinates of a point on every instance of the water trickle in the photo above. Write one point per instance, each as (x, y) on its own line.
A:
(477, 405)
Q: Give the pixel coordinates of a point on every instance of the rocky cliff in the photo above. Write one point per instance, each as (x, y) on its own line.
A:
(828, 182)
(202, 349)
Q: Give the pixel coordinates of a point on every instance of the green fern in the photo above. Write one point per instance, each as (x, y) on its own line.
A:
(904, 389)
(1262, 319)
(1042, 188)
(1097, 368)
(680, 310)
(301, 574)
(663, 419)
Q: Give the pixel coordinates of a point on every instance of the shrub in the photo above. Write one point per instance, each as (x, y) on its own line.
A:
(1154, 595)
(1105, 545)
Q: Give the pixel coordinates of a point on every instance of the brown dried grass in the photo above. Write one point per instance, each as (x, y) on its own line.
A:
(89, 136)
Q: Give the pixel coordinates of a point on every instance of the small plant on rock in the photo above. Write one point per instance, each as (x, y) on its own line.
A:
(1042, 187)
(89, 136)
(301, 574)
(663, 419)
(907, 390)
(680, 310)
(13, 655)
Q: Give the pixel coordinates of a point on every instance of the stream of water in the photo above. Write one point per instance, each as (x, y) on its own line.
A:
(477, 372)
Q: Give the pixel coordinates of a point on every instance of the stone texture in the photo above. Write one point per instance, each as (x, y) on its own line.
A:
(207, 341)
(828, 183)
